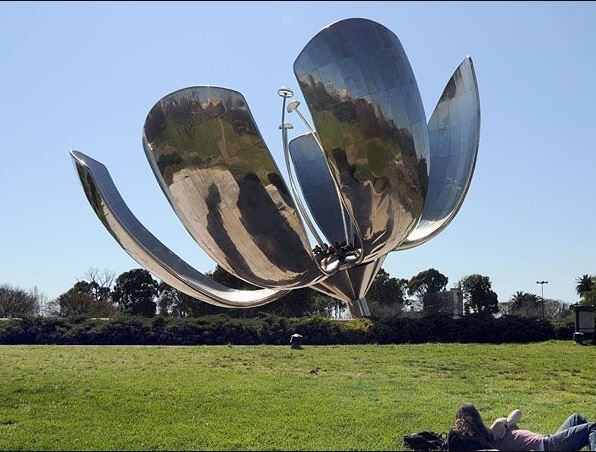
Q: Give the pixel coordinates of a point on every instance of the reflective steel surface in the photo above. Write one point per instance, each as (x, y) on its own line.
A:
(374, 176)
(351, 286)
(214, 167)
(367, 110)
(317, 186)
(148, 251)
(454, 134)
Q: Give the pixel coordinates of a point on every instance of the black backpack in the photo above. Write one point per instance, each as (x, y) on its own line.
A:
(457, 443)
(426, 441)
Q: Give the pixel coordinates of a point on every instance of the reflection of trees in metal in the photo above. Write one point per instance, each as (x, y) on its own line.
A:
(372, 157)
(218, 144)
(364, 101)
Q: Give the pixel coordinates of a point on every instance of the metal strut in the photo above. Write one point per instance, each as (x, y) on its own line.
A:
(294, 107)
(286, 93)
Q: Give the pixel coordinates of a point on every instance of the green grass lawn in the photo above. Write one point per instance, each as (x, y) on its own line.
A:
(364, 397)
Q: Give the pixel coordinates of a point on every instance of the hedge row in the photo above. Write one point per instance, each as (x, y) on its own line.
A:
(267, 329)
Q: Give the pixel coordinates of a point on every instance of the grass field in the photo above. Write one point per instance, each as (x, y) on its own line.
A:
(364, 397)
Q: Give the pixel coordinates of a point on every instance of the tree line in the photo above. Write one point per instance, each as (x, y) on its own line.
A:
(101, 294)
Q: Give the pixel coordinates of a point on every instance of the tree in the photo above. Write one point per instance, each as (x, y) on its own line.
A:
(296, 303)
(584, 284)
(167, 299)
(15, 302)
(301, 303)
(101, 281)
(478, 295)
(173, 303)
(427, 281)
(556, 309)
(386, 295)
(524, 304)
(427, 285)
(586, 289)
(387, 290)
(135, 291)
(91, 296)
(85, 298)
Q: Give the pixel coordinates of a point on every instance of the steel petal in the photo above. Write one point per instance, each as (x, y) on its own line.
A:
(148, 251)
(454, 133)
(217, 173)
(365, 103)
(317, 186)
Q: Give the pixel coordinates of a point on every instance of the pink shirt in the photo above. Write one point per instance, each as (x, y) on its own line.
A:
(519, 439)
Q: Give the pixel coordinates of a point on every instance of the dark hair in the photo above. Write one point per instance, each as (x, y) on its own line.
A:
(469, 424)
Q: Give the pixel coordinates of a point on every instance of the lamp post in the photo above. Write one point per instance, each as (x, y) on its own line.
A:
(542, 283)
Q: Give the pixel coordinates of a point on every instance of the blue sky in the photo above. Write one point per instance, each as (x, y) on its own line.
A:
(84, 76)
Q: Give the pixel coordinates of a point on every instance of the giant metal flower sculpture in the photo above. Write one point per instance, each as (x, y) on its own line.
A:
(374, 176)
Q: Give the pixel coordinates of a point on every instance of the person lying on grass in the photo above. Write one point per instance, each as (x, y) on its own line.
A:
(470, 433)
(576, 432)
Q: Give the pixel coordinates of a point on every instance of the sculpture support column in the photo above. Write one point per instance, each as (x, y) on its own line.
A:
(359, 308)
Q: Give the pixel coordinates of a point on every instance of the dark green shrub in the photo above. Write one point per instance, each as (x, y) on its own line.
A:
(221, 329)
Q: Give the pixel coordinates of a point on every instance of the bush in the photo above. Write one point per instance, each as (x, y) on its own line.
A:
(471, 328)
(221, 329)
(564, 330)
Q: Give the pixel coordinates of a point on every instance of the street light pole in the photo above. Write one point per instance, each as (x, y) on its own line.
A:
(542, 283)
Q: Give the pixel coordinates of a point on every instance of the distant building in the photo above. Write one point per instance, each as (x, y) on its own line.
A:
(446, 302)
(585, 321)
(453, 302)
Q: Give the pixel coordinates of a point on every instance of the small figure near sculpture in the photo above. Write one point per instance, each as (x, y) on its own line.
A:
(337, 253)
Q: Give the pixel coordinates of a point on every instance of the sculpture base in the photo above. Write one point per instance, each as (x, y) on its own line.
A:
(358, 308)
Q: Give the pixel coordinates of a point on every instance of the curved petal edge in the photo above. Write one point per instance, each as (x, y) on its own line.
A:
(214, 167)
(454, 135)
(317, 186)
(148, 251)
(366, 107)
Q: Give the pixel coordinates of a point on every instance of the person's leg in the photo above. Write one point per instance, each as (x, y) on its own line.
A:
(573, 438)
(572, 421)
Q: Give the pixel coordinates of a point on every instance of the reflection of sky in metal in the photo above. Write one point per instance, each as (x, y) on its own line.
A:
(317, 186)
(454, 133)
(364, 101)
